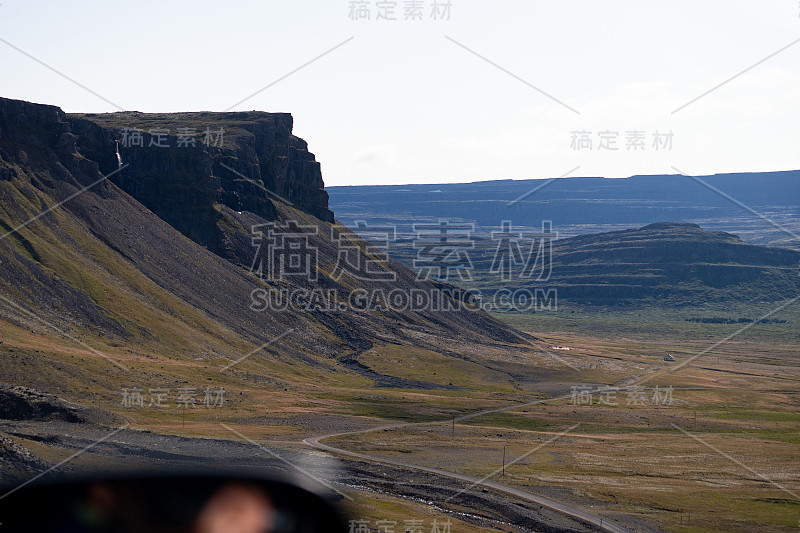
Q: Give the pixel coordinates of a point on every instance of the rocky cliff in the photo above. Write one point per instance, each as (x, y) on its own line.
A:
(185, 166)
(102, 263)
(182, 166)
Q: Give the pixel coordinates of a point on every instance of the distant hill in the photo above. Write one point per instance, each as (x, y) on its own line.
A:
(590, 205)
(671, 264)
(661, 264)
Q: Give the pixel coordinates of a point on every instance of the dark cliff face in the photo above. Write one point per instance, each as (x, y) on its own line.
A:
(187, 167)
(104, 255)
(38, 137)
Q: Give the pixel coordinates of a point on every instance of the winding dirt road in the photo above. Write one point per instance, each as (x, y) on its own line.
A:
(567, 509)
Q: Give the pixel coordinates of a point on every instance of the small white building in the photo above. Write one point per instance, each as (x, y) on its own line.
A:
(669, 357)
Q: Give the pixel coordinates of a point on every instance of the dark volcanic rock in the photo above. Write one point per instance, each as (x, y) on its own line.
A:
(24, 403)
(16, 462)
(181, 178)
(97, 263)
(185, 166)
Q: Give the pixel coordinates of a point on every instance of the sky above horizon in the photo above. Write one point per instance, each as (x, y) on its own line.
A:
(431, 93)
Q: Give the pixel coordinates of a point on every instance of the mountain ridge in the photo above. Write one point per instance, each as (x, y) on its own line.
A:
(668, 264)
(85, 262)
(753, 205)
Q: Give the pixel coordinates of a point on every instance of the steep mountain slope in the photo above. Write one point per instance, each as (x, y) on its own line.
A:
(91, 277)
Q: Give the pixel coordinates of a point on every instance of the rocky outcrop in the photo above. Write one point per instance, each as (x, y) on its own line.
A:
(38, 137)
(185, 167)
(104, 257)
(17, 461)
(24, 403)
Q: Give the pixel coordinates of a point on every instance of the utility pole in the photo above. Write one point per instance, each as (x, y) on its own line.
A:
(695, 420)
(504, 460)
(454, 425)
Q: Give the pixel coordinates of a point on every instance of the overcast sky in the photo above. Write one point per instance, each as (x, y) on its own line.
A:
(491, 90)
